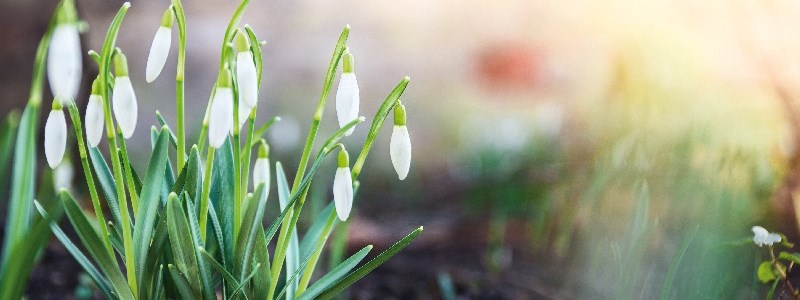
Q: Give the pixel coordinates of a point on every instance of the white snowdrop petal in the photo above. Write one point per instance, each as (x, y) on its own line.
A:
(261, 172)
(343, 192)
(64, 62)
(247, 78)
(347, 100)
(773, 238)
(400, 150)
(244, 113)
(159, 51)
(221, 119)
(55, 138)
(63, 175)
(94, 120)
(125, 105)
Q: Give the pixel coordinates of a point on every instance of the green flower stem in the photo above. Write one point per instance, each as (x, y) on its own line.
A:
(105, 75)
(206, 192)
(237, 178)
(23, 179)
(87, 171)
(248, 149)
(229, 34)
(280, 251)
(309, 270)
(177, 9)
(128, 174)
(380, 118)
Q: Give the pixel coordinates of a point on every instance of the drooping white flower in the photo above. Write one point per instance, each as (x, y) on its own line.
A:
(63, 175)
(261, 172)
(347, 95)
(400, 145)
(126, 109)
(763, 237)
(220, 121)
(55, 136)
(159, 50)
(246, 75)
(244, 114)
(64, 62)
(343, 187)
(93, 119)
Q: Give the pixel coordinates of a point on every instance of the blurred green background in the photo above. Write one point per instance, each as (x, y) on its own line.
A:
(562, 149)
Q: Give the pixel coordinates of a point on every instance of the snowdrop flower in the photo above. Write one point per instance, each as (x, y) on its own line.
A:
(400, 145)
(246, 75)
(159, 50)
(220, 121)
(763, 237)
(94, 116)
(347, 98)
(261, 168)
(64, 55)
(343, 186)
(63, 175)
(244, 114)
(124, 99)
(55, 135)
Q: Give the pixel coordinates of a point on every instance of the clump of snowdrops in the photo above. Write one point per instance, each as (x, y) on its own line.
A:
(194, 231)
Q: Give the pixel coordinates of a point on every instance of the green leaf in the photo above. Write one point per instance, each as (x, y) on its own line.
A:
(254, 212)
(190, 180)
(76, 253)
(183, 285)
(202, 268)
(8, 133)
(107, 184)
(785, 242)
(181, 241)
(354, 276)
(315, 231)
(292, 250)
(172, 139)
(676, 262)
(149, 200)
(154, 257)
(334, 275)
(91, 240)
(790, 257)
(217, 266)
(766, 272)
(261, 255)
(222, 196)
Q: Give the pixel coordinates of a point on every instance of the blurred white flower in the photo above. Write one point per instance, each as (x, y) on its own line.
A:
(763, 237)
(246, 75)
(63, 175)
(261, 168)
(220, 121)
(159, 51)
(347, 94)
(55, 137)
(64, 62)
(343, 187)
(400, 145)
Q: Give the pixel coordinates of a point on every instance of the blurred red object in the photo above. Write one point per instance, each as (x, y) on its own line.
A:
(509, 66)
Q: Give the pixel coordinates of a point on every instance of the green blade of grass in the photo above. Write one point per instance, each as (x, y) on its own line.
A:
(673, 267)
(334, 275)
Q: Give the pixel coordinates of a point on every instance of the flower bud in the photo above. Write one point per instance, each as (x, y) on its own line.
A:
(347, 95)
(261, 172)
(220, 121)
(159, 50)
(55, 136)
(94, 120)
(246, 75)
(343, 187)
(400, 145)
(123, 99)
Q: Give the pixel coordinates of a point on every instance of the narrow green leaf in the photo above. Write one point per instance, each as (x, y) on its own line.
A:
(207, 289)
(180, 240)
(790, 257)
(107, 184)
(312, 235)
(334, 275)
(217, 266)
(261, 255)
(222, 195)
(251, 221)
(8, 133)
(369, 266)
(76, 253)
(676, 262)
(149, 200)
(172, 139)
(292, 249)
(183, 285)
(94, 245)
